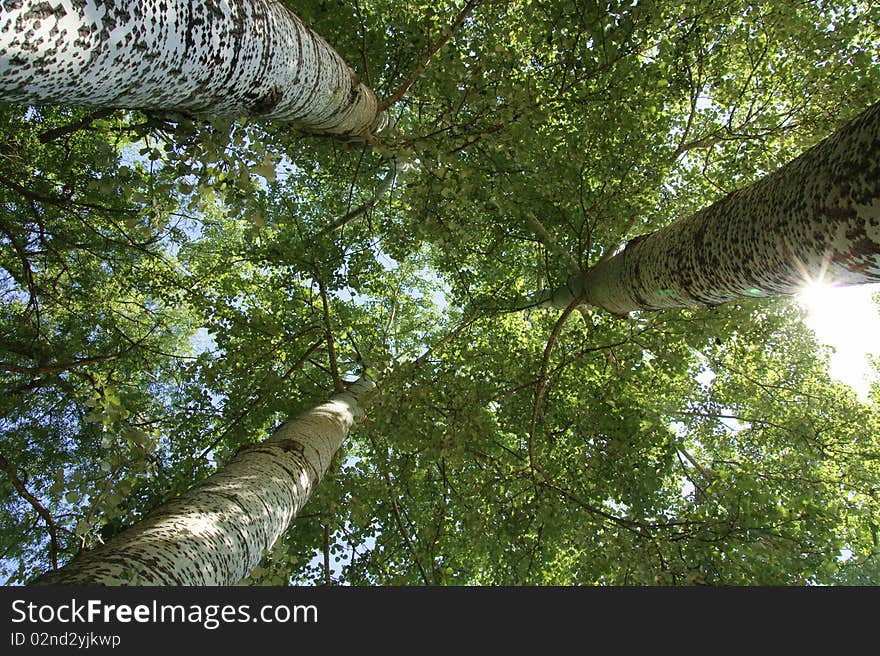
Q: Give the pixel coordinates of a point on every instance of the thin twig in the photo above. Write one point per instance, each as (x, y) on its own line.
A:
(371, 202)
(552, 245)
(338, 385)
(445, 339)
(360, 17)
(33, 301)
(398, 519)
(420, 68)
(17, 483)
(639, 528)
(250, 404)
(327, 579)
(58, 368)
(542, 381)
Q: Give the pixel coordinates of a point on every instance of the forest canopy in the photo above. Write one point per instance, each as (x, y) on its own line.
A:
(175, 286)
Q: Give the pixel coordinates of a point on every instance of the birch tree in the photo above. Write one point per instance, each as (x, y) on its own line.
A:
(216, 533)
(817, 219)
(241, 58)
(165, 308)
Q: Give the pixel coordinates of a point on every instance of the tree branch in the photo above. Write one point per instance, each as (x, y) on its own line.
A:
(371, 202)
(28, 275)
(420, 68)
(542, 381)
(357, 9)
(398, 519)
(338, 385)
(447, 338)
(552, 245)
(250, 404)
(328, 580)
(81, 124)
(58, 368)
(17, 483)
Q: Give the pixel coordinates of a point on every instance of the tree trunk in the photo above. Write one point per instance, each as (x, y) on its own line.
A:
(815, 219)
(232, 58)
(216, 533)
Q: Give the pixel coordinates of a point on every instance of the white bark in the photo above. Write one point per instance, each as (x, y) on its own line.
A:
(219, 57)
(816, 218)
(216, 533)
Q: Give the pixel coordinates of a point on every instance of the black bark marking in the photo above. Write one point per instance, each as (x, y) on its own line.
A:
(42, 10)
(268, 102)
(290, 446)
(835, 213)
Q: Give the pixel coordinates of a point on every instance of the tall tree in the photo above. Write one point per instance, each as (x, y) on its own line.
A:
(816, 219)
(242, 58)
(505, 445)
(218, 531)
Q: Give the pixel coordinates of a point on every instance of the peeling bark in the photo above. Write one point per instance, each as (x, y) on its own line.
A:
(815, 219)
(216, 533)
(233, 58)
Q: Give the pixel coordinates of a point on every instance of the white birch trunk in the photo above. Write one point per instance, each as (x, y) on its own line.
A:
(815, 219)
(216, 533)
(220, 57)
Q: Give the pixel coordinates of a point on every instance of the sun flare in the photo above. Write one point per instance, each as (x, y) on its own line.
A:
(847, 319)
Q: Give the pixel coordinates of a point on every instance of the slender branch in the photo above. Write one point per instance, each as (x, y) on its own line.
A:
(611, 251)
(360, 17)
(542, 381)
(68, 205)
(558, 367)
(327, 579)
(705, 142)
(571, 264)
(28, 274)
(19, 485)
(338, 385)
(420, 68)
(636, 527)
(31, 195)
(447, 338)
(83, 123)
(354, 178)
(399, 520)
(27, 387)
(703, 471)
(250, 404)
(552, 245)
(696, 90)
(57, 368)
(697, 486)
(371, 202)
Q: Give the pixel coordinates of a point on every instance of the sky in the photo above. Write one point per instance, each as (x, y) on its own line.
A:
(846, 319)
